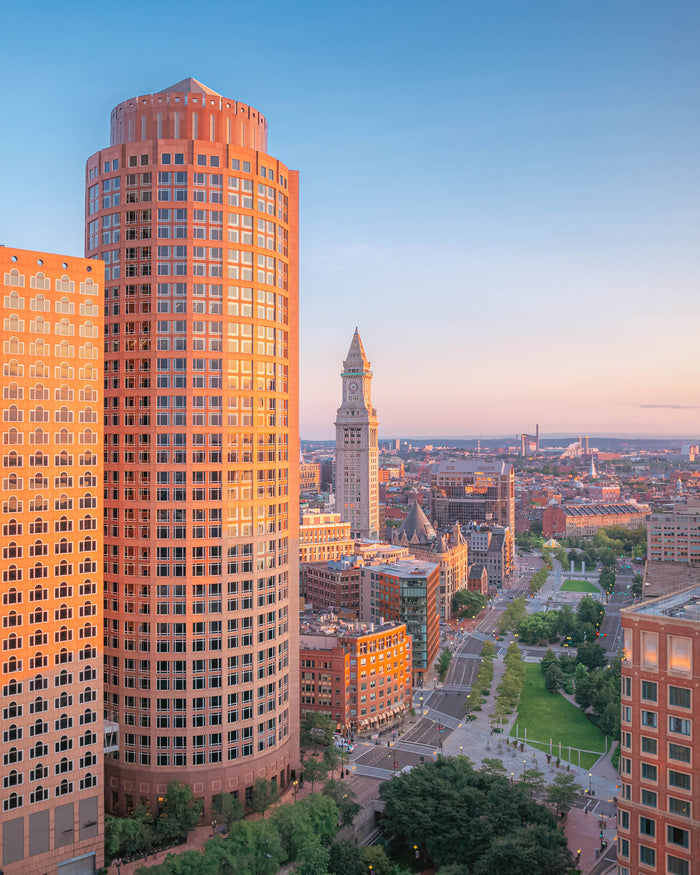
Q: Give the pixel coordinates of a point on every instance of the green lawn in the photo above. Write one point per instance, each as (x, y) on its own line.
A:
(579, 586)
(552, 716)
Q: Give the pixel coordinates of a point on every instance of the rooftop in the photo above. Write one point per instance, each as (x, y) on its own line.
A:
(602, 509)
(683, 605)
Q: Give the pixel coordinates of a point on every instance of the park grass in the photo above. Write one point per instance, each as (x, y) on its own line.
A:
(552, 716)
(579, 586)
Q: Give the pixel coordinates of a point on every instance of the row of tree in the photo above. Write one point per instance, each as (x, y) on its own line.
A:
(538, 579)
(484, 678)
(444, 663)
(511, 684)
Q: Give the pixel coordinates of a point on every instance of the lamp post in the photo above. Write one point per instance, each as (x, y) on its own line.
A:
(296, 787)
(590, 789)
(460, 750)
(512, 777)
(416, 852)
(524, 767)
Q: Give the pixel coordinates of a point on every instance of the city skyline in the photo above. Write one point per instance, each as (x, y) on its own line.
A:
(505, 206)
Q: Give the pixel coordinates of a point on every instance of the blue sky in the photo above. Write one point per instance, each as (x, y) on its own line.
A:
(503, 196)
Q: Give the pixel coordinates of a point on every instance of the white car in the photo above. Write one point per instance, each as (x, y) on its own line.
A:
(344, 744)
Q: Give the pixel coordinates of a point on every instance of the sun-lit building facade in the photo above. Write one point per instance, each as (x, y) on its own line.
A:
(197, 227)
(659, 796)
(51, 512)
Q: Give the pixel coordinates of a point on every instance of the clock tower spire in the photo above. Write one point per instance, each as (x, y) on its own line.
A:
(357, 446)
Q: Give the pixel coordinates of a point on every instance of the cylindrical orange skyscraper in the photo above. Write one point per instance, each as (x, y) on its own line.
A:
(198, 229)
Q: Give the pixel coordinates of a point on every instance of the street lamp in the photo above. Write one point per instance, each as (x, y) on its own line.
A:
(524, 767)
(590, 789)
(296, 787)
(512, 776)
(460, 750)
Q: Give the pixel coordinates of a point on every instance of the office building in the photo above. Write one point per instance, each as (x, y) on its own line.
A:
(674, 535)
(492, 548)
(659, 798)
(449, 551)
(407, 592)
(357, 447)
(359, 675)
(322, 536)
(52, 727)
(474, 491)
(197, 226)
(334, 584)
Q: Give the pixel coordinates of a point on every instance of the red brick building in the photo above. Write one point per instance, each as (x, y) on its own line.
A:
(360, 676)
(659, 799)
(584, 520)
(333, 584)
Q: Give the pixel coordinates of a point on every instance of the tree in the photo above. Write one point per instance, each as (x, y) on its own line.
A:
(562, 792)
(533, 780)
(455, 814)
(444, 663)
(228, 808)
(513, 615)
(492, 766)
(591, 655)
(553, 678)
(293, 828)
(314, 860)
(265, 794)
(129, 836)
(467, 603)
(550, 658)
(344, 798)
(376, 857)
(331, 759)
(181, 813)
(314, 771)
(254, 848)
(317, 729)
(637, 581)
(529, 851)
(346, 859)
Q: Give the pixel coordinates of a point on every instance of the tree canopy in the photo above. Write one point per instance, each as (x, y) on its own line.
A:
(475, 819)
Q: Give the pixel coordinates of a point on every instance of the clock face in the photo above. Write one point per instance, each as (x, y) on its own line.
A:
(352, 386)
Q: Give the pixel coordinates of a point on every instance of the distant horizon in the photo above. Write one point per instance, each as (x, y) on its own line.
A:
(515, 436)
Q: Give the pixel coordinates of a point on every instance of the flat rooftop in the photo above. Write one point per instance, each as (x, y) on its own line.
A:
(683, 605)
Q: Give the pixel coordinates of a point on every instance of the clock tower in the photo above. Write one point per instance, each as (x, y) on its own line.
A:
(357, 447)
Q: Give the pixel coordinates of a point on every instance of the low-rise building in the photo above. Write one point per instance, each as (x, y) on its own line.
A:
(358, 674)
(323, 537)
(334, 584)
(309, 477)
(449, 551)
(492, 548)
(405, 592)
(584, 520)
